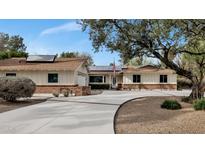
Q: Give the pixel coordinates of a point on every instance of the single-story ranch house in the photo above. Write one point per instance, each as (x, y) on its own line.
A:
(50, 73)
(127, 78)
(55, 74)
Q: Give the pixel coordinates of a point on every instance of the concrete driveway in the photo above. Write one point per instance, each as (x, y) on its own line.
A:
(85, 114)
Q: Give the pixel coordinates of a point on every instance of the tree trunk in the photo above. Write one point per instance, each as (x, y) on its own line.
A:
(197, 91)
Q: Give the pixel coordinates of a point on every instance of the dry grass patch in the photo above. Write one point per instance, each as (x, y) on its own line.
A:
(146, 116)
(7, 106)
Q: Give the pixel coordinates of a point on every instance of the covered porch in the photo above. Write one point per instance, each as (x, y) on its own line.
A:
(105, 80)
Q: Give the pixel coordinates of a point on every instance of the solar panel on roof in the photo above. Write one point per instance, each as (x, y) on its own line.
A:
(104, 68)
(41, 58)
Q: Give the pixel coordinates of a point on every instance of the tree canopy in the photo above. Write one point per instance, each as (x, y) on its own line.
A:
(11, 43)
(76, 54)
(11, 46)
(140, 61)
(165, 40)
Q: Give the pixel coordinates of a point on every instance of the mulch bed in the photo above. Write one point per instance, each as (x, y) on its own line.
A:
(145, 116)
(7, 106)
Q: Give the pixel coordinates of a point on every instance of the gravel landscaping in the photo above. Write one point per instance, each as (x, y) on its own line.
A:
(144, 115)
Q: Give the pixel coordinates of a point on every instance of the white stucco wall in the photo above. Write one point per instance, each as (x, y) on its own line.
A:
(151, 78)
(41, 77)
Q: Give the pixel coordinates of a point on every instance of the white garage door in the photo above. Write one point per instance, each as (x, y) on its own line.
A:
(81, 80)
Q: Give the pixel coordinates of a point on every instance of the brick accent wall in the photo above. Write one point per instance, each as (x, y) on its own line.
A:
(78, 90)
(148, 86)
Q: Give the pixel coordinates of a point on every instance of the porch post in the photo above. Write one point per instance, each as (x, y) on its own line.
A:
(110, 81)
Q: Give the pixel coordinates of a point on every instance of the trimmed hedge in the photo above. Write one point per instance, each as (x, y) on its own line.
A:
(100, 86)
(199, 104)
(171, 105)
(12, 88)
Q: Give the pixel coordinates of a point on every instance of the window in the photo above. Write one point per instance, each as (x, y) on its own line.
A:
(52, 78)
(98, 79)
(10, 74)
(163, 78)
(136, 78)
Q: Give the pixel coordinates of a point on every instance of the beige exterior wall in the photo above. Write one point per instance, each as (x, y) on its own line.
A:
(64, 77)
(119, 79)
(81, 76)
(41, 77)
(1, 74)
(151, 78)
(82, 69)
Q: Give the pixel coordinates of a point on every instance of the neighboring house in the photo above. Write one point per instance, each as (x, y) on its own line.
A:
(50, 73)
(127, 78)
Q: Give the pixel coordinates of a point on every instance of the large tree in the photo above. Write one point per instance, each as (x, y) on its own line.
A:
(11, 43)
(11, 46)
(76, 54)
(16, 43)
(4, 39)
(166, 40)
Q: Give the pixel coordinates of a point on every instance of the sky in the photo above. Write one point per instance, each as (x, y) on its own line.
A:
(55, 36)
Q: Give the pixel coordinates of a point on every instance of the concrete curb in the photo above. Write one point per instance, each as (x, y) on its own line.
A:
(116, 113)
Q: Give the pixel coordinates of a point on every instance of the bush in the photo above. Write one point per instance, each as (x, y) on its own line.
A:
(171, 105)
(99, 86)
(65, 93)
(199, 104)
(12, 88)
(3, 55)
(56, 93)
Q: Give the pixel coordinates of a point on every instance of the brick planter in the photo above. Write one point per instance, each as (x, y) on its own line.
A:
(149, 86)
(78, 90)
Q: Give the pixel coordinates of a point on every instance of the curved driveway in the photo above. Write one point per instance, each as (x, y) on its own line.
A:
(83, 114)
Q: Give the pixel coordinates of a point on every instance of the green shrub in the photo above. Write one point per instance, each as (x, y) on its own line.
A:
(171, 105)
(65, 93)
(56, 93)
(3, 55)
(199, 104)
(12, 88)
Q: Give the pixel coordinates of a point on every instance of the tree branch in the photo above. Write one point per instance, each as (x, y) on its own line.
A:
(191, 53)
